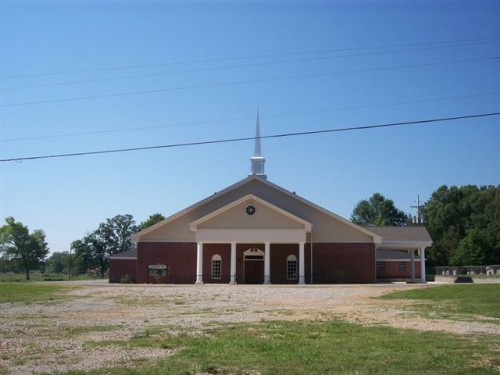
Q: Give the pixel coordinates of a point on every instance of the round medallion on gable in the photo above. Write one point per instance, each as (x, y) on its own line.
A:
(250, 209)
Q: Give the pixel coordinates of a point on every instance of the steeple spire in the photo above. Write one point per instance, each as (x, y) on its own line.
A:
(257, 151)
(257, 160)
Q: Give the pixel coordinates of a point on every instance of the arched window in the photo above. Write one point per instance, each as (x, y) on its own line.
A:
(216, 267)
(291, 267)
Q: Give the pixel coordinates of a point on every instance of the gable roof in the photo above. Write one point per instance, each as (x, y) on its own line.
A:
(227, 196)
(402, 237)
(401, 233)
(125, 255)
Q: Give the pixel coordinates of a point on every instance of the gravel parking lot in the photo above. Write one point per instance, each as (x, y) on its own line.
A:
(54, 337)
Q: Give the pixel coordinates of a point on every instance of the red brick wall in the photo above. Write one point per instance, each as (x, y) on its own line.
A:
(279, 255)
(344, 263)
(392, 271)
(180, 258)
(333, 262)
(209, 250)
(121, 267)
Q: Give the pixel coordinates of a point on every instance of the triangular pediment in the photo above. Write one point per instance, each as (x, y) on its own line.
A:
(248, 212)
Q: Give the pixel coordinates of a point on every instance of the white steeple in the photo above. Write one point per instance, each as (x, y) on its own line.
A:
(257, 160)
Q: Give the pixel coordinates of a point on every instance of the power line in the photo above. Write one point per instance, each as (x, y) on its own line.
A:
(243, 118)
(233, 83)
(234, 67)
(139, 66)
(283, 135)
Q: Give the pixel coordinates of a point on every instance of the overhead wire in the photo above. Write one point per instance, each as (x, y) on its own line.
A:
(233, 83)
(149, 75)
(139, 66)
(210, 142)
(242, 118)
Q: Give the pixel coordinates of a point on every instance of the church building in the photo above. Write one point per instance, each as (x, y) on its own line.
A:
(256, 232)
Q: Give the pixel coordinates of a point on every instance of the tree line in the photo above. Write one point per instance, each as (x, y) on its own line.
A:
(22, 251)
(464, 223)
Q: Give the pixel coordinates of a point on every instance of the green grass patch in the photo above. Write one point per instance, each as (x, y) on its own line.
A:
(150, 338)
(35, 276)
(463, 302)
(290, 348)
(11, 277)
(31, 292)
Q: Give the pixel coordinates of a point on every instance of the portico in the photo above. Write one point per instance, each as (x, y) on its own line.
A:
(251, 220)
(253, 265)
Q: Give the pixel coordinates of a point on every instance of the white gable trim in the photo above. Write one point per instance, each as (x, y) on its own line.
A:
(250, 197)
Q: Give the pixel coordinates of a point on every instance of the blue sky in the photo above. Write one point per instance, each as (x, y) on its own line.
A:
(81, 76)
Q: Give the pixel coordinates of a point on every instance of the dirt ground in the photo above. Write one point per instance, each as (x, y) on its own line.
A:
(55, 336)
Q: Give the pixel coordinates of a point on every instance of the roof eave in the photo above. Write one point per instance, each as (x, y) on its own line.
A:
(404, 245)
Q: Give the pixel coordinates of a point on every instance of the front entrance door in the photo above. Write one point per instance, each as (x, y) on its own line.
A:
(254, 272)
(253, 266)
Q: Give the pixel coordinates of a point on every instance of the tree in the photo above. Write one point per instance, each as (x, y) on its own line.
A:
(58, 263)
(152, 220)
(90, 253)
(378, 210)
(115, 233)
(22, 248)
(464, 223)
(112, 236)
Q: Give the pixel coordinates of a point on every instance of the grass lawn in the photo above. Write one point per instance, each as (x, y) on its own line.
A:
(333, 347)
(460, 302)
(31, 292)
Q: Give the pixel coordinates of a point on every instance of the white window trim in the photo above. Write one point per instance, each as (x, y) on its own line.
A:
(216, 258)
(291, 258)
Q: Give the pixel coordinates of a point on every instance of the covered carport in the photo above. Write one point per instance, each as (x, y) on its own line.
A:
(403, 243)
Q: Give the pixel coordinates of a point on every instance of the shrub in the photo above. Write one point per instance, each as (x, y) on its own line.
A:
(125, 279)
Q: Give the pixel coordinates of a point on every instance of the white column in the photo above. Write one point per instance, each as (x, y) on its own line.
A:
(302, 278)
(267, 263)
(199, 263)
(422, 265)
(233, 263)
(412, 266)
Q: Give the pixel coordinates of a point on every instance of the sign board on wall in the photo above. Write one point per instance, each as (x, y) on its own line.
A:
(157, 266)
(158, 270)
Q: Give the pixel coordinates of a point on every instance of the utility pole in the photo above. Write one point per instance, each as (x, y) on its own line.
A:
(419, 219)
